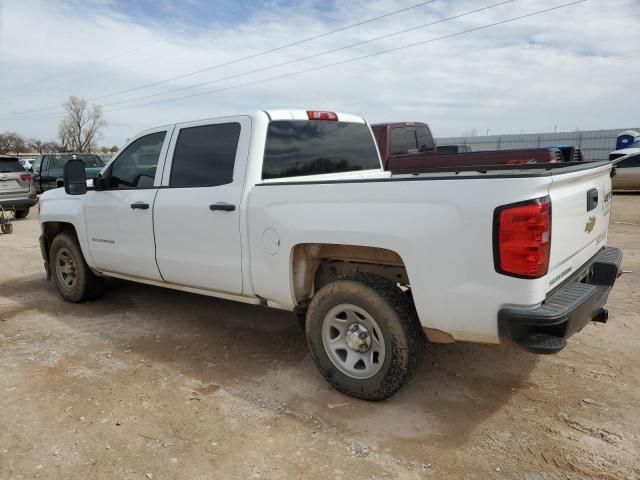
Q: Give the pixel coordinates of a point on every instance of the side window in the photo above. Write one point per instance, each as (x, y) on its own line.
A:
(205, 156)
(403, 140)
(425, 139)
(136, 166)
(629, 162)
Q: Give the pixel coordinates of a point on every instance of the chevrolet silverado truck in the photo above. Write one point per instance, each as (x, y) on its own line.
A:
(293, 210)
(406, 146)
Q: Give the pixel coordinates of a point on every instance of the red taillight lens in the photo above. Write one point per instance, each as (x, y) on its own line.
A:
(26, 177)
(317, 115)
(522, 238)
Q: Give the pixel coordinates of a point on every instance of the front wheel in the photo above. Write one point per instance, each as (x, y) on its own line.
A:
(71, 274)
(364, 336)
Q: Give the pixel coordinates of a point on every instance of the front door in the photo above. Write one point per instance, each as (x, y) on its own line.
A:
(119, 219)
(197, 211)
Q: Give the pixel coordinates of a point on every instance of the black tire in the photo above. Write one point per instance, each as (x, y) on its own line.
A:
(87, 285)
(22, 213)
(394, 313)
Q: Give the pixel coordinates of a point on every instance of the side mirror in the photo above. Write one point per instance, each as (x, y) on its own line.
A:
(75, 178)
(100, 183)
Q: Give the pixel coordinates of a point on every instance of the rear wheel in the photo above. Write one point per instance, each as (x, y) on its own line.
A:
(6, 228)
(364, 336)
(71, 274)
(22, 213)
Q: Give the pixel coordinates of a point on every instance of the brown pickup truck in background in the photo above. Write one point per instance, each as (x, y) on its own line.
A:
(407, 146)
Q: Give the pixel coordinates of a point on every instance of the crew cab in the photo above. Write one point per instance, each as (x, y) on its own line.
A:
(292, 209)
(407, 145)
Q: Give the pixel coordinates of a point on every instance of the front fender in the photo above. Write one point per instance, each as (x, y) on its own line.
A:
(58, 207)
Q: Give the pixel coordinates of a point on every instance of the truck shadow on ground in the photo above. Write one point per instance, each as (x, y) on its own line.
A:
(260, 356)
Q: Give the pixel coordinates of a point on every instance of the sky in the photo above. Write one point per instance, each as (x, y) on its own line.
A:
(572, 68)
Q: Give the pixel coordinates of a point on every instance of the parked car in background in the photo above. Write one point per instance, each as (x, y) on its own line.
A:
(447, 149)
(48, 169)
(406, 146)
(292, 210)
(627, 175)
(26, 163)
(16, 186)
(633, 148)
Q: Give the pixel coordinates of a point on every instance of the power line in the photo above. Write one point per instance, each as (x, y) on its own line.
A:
(237, 60)
(315, 55)
(383, 52)
(289, 62)
(342, 62)
(68, 73)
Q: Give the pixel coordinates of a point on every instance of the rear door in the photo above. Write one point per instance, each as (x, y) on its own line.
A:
(580, 209)
(197, 212)
(119, 220)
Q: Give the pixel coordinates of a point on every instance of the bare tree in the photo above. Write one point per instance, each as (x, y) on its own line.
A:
(82, 126)
(12, 142)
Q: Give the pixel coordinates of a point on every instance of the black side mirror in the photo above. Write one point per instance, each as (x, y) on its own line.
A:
(75, 177)
(100, 183)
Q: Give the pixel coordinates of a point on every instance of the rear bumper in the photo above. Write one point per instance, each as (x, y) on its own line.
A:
(18, 203)
(544, 329)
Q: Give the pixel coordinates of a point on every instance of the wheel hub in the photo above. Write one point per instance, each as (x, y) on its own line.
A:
(353, 341)
(66, 268)
(358, 338)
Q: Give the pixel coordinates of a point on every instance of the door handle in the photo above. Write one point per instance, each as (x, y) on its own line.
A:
(140, 205)
(225, 207)
(592, 199)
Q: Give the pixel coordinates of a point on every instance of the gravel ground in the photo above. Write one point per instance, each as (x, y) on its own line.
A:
(152, 383)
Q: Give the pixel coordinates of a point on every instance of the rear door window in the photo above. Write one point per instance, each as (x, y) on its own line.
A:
(299, 147)
(204, 156)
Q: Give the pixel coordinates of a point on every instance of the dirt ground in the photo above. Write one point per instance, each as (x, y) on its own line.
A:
(153, 383)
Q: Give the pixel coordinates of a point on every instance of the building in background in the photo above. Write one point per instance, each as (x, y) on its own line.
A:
(595, 144)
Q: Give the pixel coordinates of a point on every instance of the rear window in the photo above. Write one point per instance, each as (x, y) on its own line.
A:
(406, 139)
(300, 147)
(10, 165)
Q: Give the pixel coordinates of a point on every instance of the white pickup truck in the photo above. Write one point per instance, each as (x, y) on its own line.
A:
(291, 209)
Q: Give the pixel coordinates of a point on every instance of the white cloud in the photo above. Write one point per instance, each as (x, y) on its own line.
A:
(575, 68)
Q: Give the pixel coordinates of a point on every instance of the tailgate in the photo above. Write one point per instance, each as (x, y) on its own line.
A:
(580, 206)
(10, 183)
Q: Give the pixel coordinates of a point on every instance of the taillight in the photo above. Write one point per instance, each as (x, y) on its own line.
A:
(318, 115)
(522, 238)
(26, 177)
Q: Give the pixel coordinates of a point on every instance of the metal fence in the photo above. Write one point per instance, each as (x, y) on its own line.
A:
(595, 144)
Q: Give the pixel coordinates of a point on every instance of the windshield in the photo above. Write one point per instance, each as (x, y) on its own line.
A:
(635, 144)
